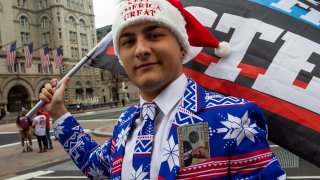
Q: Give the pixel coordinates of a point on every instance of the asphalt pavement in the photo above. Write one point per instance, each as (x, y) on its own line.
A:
(13, 161)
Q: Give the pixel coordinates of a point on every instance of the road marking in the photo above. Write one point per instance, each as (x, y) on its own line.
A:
(303, 177)
(31, 175)
(9, 133)
(61, 177)
(98, 120)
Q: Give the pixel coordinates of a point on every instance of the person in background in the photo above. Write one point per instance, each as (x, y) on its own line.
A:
(23, 124)
(2, 113)
(152, 39)
(39, 124)
(48, 136)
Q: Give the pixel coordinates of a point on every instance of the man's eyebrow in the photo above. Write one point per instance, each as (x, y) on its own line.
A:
(151, 28)
(145, 30)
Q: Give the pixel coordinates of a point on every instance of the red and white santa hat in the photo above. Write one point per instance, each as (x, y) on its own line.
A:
(171, 14)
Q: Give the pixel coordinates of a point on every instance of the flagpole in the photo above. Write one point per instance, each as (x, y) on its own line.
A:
(40, 47)
(91, 55)
(7, 44)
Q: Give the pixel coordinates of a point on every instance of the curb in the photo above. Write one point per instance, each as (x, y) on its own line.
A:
(100, 133)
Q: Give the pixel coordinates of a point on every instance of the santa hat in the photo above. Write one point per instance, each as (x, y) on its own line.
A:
(171, 14)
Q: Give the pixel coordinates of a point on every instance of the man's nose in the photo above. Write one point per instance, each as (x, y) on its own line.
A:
(143, 49)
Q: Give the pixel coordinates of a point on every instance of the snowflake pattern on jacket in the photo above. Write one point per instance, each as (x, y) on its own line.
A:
(237, 137)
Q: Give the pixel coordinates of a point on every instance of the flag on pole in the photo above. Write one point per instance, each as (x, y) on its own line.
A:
(57, 57)
(11, 54)
(28, 54)
(274, 61)
(104, 57)
(44, 56)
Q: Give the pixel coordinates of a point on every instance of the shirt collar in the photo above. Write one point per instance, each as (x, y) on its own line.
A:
(170, 95)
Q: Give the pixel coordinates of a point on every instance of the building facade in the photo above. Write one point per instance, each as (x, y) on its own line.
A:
(68, 24)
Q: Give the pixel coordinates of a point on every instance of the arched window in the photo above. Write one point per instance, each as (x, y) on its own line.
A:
(44, 22)
(79, 91)
(72, 22)
(24, 22)
(89, 91)
(82, 24)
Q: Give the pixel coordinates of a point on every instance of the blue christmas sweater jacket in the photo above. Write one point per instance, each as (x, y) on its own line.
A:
(237, 139)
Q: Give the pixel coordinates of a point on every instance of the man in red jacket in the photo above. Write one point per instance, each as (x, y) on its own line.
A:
(23, 124)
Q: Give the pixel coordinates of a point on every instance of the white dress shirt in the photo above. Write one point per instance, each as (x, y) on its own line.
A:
(167, 102)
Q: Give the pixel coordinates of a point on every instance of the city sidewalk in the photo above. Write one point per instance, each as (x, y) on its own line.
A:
(14, 161)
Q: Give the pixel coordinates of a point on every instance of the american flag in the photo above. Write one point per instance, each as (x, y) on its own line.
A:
(28, 54)
(11, 54)
(44, 55)
(57, 57)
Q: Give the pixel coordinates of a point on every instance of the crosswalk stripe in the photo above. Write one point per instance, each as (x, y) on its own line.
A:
(31, 175)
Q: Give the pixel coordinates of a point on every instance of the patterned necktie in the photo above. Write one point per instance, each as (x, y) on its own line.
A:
(143, 148)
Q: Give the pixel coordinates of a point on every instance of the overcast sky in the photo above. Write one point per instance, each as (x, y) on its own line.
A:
(104, 11)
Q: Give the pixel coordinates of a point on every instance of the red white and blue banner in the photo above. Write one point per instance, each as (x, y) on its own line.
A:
(274, 61)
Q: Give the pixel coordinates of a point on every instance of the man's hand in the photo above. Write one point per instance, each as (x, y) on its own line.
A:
(54, 99)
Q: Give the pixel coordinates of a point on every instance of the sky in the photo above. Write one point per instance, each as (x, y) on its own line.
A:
(104, 11)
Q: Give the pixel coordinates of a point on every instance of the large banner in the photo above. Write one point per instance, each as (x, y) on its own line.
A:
(274, 61)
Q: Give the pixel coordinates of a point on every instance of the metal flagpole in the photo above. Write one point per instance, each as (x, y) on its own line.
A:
(1, 46)
(91, 55)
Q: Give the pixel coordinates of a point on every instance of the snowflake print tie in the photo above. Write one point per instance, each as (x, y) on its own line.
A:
(143, 148)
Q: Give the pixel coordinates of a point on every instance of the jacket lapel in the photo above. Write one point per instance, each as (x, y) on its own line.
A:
(192, 101)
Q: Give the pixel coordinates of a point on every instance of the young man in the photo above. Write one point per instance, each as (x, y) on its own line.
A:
(23, 124)
(39, 124)
(47, 128)
(151, 42)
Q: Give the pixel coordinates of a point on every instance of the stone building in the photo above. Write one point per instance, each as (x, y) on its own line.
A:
(68, 24)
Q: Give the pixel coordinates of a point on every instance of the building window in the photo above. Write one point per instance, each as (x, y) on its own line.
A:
(63, 69)
(73, 37)
(72, 4)
(93, 39)
(79, 92)
(60, 35)
(83, 38)
(25, 37)
(50, 69)
(43, 4)
(46, 38)
(72, 22)
(82, 24)
(40, 70)
(84, 52)
(90, 8)
(16, 68)
(23, 67)
(24, 22)
(97, 71)
(81, 8)
(66, 95)
(58, 18)
(98, 82)
(44, 22)
(23, 3)
(74, 52)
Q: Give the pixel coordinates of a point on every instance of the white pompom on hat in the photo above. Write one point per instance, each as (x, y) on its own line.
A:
(171, 14)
